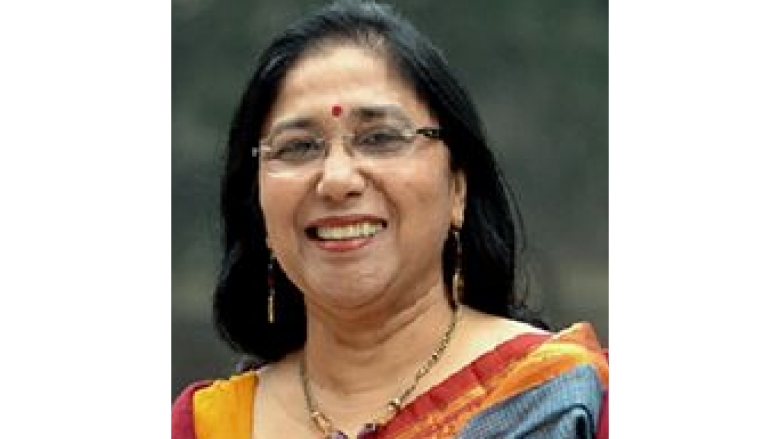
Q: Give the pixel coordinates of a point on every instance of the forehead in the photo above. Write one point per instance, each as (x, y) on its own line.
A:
(348, 76)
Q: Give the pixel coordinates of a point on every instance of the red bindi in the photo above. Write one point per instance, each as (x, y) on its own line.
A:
(336, 110)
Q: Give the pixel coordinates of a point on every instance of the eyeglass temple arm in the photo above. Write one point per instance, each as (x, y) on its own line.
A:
(430, 132)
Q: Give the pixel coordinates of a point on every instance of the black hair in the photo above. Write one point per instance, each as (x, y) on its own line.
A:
(492, 236)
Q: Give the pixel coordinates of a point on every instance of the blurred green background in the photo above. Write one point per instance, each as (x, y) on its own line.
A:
(538, 72)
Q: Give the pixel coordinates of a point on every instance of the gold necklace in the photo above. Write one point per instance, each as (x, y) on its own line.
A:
(325, 425)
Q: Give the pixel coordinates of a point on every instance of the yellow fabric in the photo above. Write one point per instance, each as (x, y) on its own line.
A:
(223, 410)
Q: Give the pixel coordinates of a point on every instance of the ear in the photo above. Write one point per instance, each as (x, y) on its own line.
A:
(458, 198)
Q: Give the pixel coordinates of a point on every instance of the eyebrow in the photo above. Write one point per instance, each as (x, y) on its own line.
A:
(371, 112)
(359, 114)
(299, 123)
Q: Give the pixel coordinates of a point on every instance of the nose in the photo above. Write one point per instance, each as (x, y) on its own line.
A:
(341, 176)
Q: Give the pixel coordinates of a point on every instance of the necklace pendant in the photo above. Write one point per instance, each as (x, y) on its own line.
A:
(338, 434)
(368, 431)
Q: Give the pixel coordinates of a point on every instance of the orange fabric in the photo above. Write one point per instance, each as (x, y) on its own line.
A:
(224, 409)
(570, 348)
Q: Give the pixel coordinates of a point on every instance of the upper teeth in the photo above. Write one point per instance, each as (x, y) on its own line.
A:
(350, 231)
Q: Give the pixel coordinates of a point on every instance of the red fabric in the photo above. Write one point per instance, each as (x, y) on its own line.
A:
(182, 425)
(416, 416)
(603, 427)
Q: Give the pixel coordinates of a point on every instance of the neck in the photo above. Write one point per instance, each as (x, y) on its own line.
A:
(355, 367)
(337, 350)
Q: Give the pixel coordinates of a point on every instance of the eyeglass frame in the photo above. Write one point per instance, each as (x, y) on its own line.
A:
(433, 133)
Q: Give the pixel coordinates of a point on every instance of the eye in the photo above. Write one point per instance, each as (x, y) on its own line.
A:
(381, 140)
(295, 149)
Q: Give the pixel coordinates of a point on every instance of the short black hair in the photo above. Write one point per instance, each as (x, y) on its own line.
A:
(492, 236)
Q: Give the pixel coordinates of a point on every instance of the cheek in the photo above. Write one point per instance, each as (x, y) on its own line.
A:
(428, 200)
(277, 207)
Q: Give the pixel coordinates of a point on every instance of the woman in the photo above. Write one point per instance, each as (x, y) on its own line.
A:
(369, 257)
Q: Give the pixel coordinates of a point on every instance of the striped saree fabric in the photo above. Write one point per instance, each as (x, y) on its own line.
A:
(532, 386)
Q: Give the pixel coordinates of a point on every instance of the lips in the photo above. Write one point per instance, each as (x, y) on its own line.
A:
(345, 228)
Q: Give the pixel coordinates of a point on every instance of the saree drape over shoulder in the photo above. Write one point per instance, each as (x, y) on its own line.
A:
(532, 386)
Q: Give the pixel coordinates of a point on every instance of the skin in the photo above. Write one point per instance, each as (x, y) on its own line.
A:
(377, 312)
(419, 199)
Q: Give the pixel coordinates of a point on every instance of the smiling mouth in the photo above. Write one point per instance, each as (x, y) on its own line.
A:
(345, 232)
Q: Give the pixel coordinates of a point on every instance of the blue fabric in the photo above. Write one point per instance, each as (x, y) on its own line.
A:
(565, 407)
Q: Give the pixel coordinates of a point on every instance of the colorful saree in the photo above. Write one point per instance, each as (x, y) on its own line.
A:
(532, 386)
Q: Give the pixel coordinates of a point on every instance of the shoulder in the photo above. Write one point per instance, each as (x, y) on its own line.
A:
(488, 343)
(569, 372)
(486, 332)
(203, 401)
(556, 354)
(575, 346)
(522, 344)
(182, 424)
(558, 380)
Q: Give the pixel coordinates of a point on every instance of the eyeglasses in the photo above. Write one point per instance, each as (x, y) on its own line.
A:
(301, 150)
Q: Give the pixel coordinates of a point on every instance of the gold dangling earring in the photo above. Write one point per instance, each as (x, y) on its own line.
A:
(271, 291)
(457, 276)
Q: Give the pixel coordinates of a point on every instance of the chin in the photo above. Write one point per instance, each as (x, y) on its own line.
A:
(350, 295)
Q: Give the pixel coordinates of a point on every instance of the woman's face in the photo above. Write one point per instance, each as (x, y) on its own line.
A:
(355, 227)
